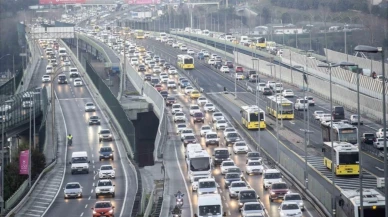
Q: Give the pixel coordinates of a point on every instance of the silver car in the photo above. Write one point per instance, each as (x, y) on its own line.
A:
(72, 190)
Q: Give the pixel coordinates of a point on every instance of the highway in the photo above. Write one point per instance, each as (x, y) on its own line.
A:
(85, 138)
(370, 160)
(230, 206)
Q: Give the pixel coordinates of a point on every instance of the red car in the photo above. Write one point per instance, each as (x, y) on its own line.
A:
(239, 69)
(103, 208)
(278, 190)
(158, 87)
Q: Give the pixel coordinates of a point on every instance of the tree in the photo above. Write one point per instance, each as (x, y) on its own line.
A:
(286, 18)
(266, 14)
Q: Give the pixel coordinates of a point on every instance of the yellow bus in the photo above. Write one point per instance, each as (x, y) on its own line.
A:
(260, 42)
(250, 117)
(346, 161)
(185, 61)
(280, 107)
(139, 34)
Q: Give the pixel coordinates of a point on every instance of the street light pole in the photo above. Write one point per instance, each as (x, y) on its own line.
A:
(258, 103)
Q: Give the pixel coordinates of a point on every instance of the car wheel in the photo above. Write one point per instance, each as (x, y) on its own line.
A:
(113, 195)
(113, 158)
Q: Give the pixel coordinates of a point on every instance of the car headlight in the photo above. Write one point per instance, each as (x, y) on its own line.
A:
(300, 204)
(215, 192)
(227, 182)
(97, 190)
(241, 204)
(112, 189)
(111, 211)
(272, 193)
(232, 192)
(94, 212)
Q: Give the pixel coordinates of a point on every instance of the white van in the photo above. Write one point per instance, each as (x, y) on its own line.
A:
(244, 39)
(301, 104)
(62, 51)
(207, 186)
(271, 176)
(49, 69)
(209, 204)
(79, 162)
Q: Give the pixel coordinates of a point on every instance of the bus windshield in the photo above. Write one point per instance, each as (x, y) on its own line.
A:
(200, 164)
(348, 135)
(254, 117)
(348, 158)
(286, 108)
(210, 209)
(188, 61)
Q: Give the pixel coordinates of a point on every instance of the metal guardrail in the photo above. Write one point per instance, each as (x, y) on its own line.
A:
(95, 45)
(150, 203)
(16, 196)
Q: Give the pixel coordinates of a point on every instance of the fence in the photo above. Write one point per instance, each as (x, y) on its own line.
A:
(113, 104)
(370, 107)
(16, 196)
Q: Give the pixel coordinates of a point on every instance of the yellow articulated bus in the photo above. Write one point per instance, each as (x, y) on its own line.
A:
(280, 107)
(185, 61)
(345, 162)
(252, 117)
(260, 42)
(140, 34)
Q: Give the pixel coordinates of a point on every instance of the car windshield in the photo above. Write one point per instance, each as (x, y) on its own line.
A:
(170, 98)
(221, 122)
(105, 183)
(272, 176)
(238, 184)
(105, 149)
(102, 205)
(209, 184)
(290, 206)
(179, 114)
(254, 163)
(232, 175)
(255, 206)
(240, 144)
(189, 137)
(230, 135)
(104, 132)
(194, 107)
(228, 164)
(198, 115)
(253, 154)
(72, 186)
(217, 115)
(293, 197)
(234, 170)
(279, 186)
(211, 136)
(196, 179)
(206, 128)
(246, 195)
(108, 167)
(187, 131)
(181, 126)
(89, 104)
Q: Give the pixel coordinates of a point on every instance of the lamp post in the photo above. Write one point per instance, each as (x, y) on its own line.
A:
(277, 114)
(258, 101)
(329, 66)
(370, 49)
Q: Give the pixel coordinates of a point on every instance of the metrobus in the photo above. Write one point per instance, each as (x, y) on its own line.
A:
(260, 42)
(139, 34)
(96, 28)
(345, 162)
(250, 117)
(349, 204)
(341, 132)
(280, 107)
(185, 61)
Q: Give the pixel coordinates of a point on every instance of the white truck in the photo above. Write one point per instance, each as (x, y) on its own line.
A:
(210, 205)
(198, 163)
(244, 39)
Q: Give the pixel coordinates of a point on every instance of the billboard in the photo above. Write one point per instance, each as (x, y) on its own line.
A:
(59, 2)
(143, 2)
(23, 162)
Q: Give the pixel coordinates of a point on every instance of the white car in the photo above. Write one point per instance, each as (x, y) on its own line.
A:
(252, 209)
(288, 93)
(194, 184)
(205, 129)
(201, 101)
(254, 167)
(90, 107)
(236, 187)
(180, 116)
(229, 130)
(134, 61)
(66, 62)
(325, 117)
(77, 82)
(354, 120)
(317, 114)
(220, 124)
(180, 127)
(164, 79)
(310, 100)
(261, 86)
(186, 132)
(105, 187)
(183, 48)
(380, 133)
(217, 116)
(239, 76)
(49, 69)
(175, 45)
(171, 84)
(188, 90)
(240, 147)
(46, 78)
(163, 74)
(211, 61)
(206, 53)
(294, 197)
(106, 172)
(193, 109)
(209, 107)
(287, 209)
(176, 108)
(147, 60)
(172, 71)
(224, 69)
(190, 52)
(378, 143)
(157, 69)
(225, 165)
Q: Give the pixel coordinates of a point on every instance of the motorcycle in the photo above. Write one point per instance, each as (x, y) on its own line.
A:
(176, 212)
(69, 142)
(179, 200)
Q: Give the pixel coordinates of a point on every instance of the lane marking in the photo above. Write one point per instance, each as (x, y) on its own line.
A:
(184, 181)
(86, 206)
(82, 214)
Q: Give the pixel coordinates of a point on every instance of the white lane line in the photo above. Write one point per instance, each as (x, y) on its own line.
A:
(184, 181)
(35, 210)
(68, 99)
(44, 207)
(30, 214)
(91, 191)
(86, 206)
(41, 202)
(65, 157)
(82, 214)
(89, 197)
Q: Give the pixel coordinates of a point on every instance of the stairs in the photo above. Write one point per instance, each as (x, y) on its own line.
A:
(158, 207)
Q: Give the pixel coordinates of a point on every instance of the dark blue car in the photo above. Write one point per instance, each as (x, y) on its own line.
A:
(200, 56)
(185, 83)
(106, 152)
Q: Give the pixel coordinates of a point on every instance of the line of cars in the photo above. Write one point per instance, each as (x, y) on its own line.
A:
(234, 181)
